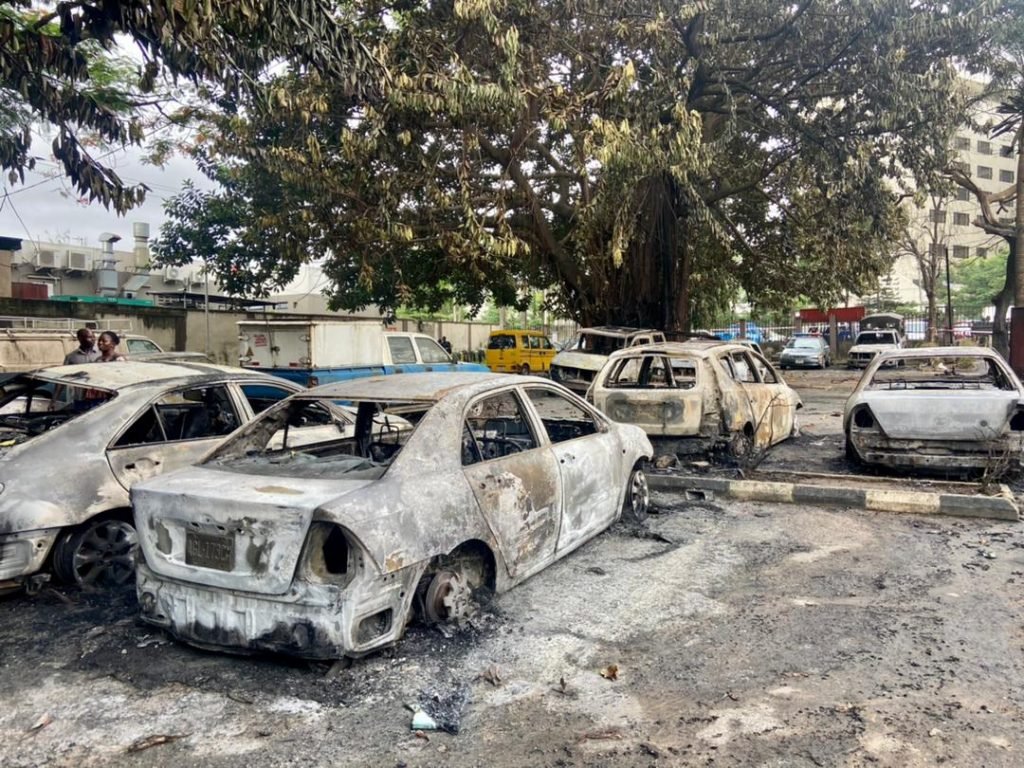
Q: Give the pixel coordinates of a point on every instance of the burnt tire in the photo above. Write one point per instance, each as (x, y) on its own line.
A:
(637, 501)
(741, 445)
(524, 369)
(99, 553)
(450, 594)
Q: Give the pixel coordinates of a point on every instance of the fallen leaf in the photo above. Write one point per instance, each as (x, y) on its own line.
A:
(492, 675)
(611, 672)
(155, 740)
(43, 721)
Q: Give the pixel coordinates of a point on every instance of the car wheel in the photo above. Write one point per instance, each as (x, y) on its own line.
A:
(638, 496)
(741, 445)
(449, 595)
(100, 552)
(524, 369)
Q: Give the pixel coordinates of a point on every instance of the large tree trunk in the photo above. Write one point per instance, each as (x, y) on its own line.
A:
(1000, 333)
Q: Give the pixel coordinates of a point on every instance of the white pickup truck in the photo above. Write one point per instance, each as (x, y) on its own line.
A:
(311, 352)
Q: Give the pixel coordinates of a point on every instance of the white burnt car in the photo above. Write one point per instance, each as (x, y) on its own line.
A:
(691, 395)
(944, 408)
(576, 364)
(329, 549)
(74, 439)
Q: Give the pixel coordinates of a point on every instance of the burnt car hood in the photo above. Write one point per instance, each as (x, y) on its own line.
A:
(263, 519)
(584, 361)
(942, 414)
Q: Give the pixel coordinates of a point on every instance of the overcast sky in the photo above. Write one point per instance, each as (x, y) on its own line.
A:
(50, 211)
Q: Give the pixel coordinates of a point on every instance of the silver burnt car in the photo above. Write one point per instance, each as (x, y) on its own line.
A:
(74, 439)
(451, 483)
(944, 408)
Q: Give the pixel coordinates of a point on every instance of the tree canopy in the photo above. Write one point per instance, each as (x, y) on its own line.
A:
(62, 64)
(644, 158)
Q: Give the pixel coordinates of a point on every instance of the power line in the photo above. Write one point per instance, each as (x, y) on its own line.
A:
(7, 199)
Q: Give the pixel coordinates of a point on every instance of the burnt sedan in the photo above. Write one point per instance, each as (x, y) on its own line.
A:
(74, 439)
(693, 395)
(450, 484)
(940, 408)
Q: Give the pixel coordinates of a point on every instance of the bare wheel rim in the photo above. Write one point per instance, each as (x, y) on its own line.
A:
(449, 597)
(105, 553)
(639, 494)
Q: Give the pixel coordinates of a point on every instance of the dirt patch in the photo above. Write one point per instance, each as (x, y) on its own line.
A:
(742, 634)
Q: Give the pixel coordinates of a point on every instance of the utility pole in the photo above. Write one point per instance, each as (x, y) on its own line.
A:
(949, 297)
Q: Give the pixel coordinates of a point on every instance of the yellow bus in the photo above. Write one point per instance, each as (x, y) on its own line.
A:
(519, 351)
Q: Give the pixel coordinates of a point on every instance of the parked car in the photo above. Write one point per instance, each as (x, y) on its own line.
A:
(329, 550)
(27, 349)
(576, 365)
(869, 344)
(696, 394)
(945, 408)
(519, 351)
(74, 439)
(806, 352)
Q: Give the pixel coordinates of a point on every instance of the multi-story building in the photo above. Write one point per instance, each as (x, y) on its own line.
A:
(947, 223)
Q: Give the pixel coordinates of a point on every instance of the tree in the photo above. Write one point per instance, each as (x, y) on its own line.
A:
(1005, 90)
(59, 65)
(978, 281)
(927, 242)
(645, 159)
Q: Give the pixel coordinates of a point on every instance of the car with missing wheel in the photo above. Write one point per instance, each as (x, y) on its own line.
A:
(697, 395)
(74, 439)
(951, 409)
(329, 549)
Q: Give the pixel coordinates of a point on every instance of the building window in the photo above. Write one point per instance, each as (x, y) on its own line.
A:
(1006, 177)
(982, 251)
(984, 172)
(1006, 151)
(963, 194)
(961, 252)
(961, 219)
(961, 142)
(984, 148)
(938, 216)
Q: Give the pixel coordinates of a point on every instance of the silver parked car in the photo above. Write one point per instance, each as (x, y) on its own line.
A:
(945, 408)
(805, 352)
(451, 482)
(74, 439)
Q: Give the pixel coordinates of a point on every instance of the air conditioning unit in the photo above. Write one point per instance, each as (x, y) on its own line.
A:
(47, 260)
(78, 261)
(174, 274)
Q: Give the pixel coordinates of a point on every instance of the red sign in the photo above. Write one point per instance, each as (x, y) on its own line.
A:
(841, 314)
(259, 340)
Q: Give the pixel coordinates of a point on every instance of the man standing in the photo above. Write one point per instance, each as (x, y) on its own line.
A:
(86, 352)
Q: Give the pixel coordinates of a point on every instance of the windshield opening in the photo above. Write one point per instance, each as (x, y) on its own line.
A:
(876, 337)
(597, 344)
(314, 437)
(967, 373)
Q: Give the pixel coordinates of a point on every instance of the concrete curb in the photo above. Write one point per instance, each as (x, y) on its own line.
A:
(999, 507)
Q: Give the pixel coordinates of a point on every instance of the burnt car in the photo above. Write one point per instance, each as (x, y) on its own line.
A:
(329, 549)
(694, 395)
(942, 408)
(74, 439)
(577, 363)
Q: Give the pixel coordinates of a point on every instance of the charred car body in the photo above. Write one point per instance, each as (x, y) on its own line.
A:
(693, 395)
(942, 408)
(329, 550)
(74, 439)
(577, 364)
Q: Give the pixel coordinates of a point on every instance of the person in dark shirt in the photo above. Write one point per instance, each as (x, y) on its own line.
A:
(445, 344)
(86, 352)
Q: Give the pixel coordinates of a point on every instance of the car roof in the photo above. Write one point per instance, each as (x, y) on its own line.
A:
(701, 348)
(941, 352)
(426, 387)
(129, 373)
(527, 331)
(616, 330)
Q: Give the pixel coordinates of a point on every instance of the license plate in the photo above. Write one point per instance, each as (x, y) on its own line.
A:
(210, 551)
